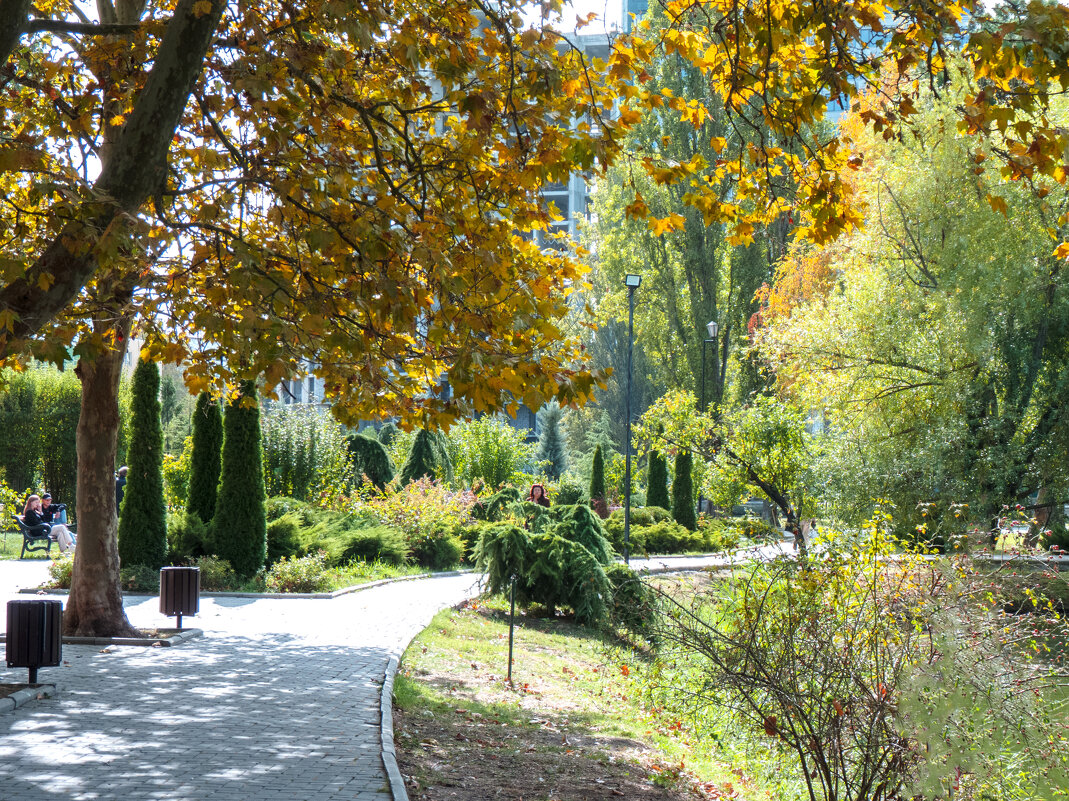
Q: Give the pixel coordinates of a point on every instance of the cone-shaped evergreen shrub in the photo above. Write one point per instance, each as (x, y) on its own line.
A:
(580, 524)
(657, 482)
(207, 457)
(387, 433)
(683, 492)
(369, 458)
(143, 523)
(597, 477)
(427, 457)
(551, 442)
(239, 528)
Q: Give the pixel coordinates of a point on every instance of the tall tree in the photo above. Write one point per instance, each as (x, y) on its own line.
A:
(239, 527)
(936, 338)
(206, 460)
(551, 443)
(143, 524)
(383, 195)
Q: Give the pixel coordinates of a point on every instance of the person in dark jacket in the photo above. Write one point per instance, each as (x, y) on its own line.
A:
(31, 516)
(120, 486)
(53, 512)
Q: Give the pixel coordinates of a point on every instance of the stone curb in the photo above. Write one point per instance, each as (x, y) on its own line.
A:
(24, 696)
(389, 751)
(305, 596)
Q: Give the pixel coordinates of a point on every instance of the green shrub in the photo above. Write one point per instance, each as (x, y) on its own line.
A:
(187, 536)
(753, 528)
(386, 434)
(633, 604)
(671, 538)
(683, 492)
(718, 536)
(368, 458)
(579, 524)
(176, 475)
(495, 507)
(60, 571)
(304, 452)
(441, 549)
(216, 575)
(657, 482)
(280, 505)
(283, 538)
(376, 544)
(614, 533)
(298, 574)
(139, 578)
(239, 527)
(205, 460)
(143, 518)
(489, 450)
(568, 494)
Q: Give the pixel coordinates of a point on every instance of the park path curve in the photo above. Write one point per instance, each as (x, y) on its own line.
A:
(279, 700)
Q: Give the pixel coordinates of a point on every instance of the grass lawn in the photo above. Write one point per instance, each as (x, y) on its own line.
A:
(572, 725)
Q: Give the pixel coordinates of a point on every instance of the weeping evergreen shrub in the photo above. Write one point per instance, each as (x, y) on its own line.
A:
(503, 551)
(497, 505)
(581, 525)
(568, 493)
(369, 458)
(206, 460)
(386, 434)
(657, 482)
(683, 492)
(239, 527)
(143, 522)
(551, 570)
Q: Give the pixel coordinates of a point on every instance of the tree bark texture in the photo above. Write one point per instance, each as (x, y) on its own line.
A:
(95, 604)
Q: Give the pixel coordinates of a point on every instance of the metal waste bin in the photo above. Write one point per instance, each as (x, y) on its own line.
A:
(179, 591)
(34, 635)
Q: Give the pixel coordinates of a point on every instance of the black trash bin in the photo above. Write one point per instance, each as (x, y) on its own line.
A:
(34, 635)
(179, 591)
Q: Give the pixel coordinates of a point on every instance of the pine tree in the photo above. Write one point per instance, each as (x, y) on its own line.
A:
(239, 527)
(206, 458)
(683, 492)
(657, 482)
(551, 443)
(143, 523)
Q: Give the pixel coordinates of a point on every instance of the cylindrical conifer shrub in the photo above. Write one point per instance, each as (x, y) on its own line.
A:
(206, 460)
(597, 484)
(657, 482)
(239, 526)
(143, 518)
(683, 492)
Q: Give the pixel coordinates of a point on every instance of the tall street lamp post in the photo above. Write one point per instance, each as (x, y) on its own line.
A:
(712, 328)
(632, 283)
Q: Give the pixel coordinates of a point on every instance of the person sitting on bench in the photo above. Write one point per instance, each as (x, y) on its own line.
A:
(52, 512)
(32, 516)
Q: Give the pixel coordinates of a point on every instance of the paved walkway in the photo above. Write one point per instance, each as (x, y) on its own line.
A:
(279, 700)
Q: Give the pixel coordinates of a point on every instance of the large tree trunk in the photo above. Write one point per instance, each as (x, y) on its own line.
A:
(94, 608)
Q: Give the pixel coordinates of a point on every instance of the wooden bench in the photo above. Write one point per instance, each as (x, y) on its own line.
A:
(35, 538)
